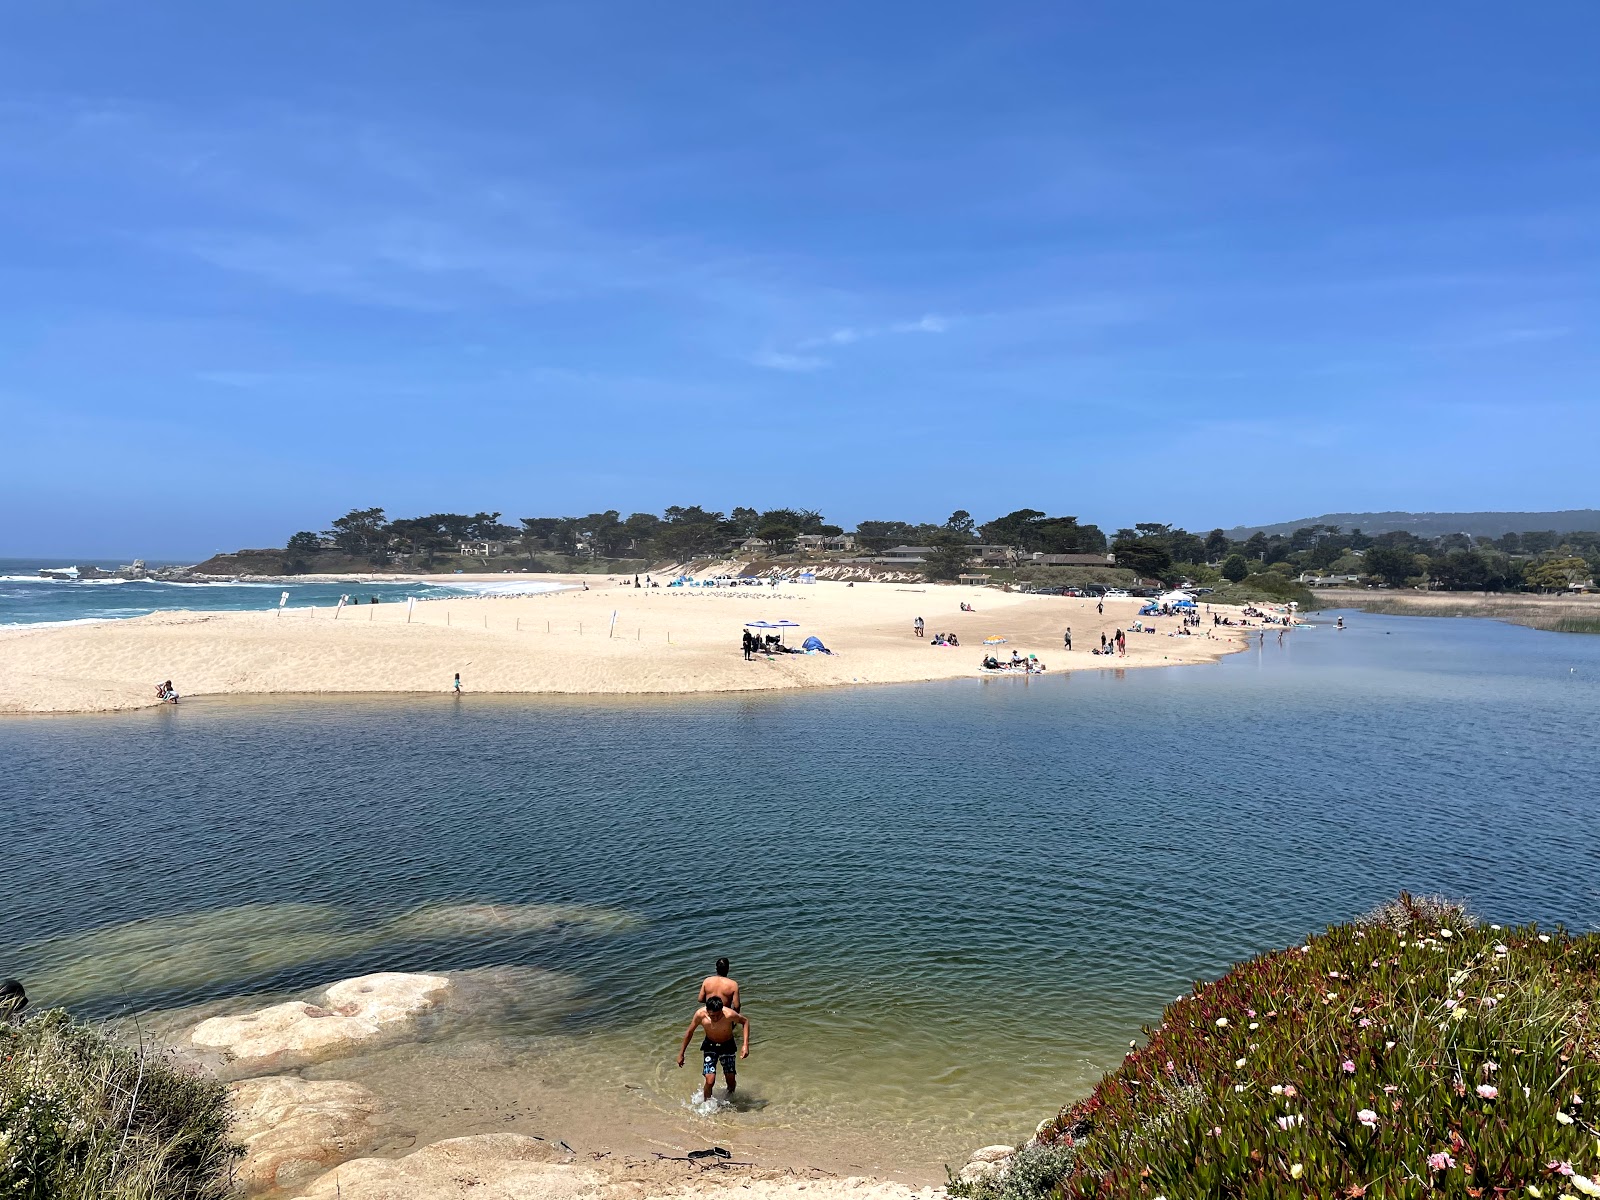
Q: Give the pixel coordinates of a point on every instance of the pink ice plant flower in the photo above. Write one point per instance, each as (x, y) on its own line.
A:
(1560, 1168)
(1368, 1118)
(1488, 1091)
(1348, 1067)
(1365, 1022)
(1439, 1161)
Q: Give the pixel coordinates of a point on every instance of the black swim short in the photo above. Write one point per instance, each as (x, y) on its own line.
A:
(726, 1051)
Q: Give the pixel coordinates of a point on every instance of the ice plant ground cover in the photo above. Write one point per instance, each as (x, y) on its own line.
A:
(1412, 1053)
(86, 1117)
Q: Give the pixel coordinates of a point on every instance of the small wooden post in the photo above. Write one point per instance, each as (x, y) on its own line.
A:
(447, 616)
(519, 624)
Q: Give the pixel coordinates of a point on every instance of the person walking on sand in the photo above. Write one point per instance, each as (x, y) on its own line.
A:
(917, 627)
(1100, 606)
(715, 1022)
(1066, 638)
(722, 986)
(456, 687)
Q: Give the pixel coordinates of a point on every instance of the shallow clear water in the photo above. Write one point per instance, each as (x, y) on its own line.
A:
(951, 904)
(26, 598)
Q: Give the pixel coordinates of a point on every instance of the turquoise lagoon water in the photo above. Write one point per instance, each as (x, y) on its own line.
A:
(28, 599)
(952, 904)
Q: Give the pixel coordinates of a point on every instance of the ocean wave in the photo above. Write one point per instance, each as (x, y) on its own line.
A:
(48, 580)
(59, 624)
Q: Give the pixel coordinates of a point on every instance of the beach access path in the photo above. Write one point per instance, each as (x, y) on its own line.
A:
(612, 639)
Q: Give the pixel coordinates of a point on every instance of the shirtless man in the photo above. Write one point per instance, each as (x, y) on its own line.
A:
(717, 1023)
(719, 985)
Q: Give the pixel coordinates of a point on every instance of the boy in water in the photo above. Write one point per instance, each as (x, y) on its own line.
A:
(717, 1022)
(722, 986)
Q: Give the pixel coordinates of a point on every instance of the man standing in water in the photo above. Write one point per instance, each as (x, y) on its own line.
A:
(721, 986)
(716, 1022)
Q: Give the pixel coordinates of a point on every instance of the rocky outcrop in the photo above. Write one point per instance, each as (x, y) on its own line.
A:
(493, 1166)
(987, 1161)
(293, 1129)
(354, 1011)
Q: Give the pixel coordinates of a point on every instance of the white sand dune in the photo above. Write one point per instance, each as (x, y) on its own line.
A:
(662, 640)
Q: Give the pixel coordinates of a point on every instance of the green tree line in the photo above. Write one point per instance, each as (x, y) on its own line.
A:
(1535, 560)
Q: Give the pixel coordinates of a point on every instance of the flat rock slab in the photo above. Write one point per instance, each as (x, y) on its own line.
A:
(509, 1166)
(294, 1129)
(353, 1011)
(493, 1166)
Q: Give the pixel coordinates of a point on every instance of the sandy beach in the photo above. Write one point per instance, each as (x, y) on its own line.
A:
(611, 639)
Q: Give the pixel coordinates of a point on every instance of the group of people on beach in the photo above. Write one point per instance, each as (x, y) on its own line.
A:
(1027, 666)
(1116, 644)
(166, 693)
(715, 1020)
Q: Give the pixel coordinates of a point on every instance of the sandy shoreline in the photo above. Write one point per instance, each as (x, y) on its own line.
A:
(611, 639)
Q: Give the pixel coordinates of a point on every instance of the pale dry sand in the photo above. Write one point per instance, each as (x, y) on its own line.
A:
(663, 641)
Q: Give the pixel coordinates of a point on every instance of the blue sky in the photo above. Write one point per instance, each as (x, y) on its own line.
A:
(260, 263)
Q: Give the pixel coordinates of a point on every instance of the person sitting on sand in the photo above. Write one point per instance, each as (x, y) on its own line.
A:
(950, 639)
(720, 985)
(938, 639)
(716, 1023)
(991, 663)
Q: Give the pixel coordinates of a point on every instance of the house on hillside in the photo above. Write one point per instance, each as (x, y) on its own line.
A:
(906, 554)
(483, 549)
(753, 545)
(1072, 560)
(825, 541)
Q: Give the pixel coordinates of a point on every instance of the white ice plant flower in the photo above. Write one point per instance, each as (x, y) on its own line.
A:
(1222, 1022)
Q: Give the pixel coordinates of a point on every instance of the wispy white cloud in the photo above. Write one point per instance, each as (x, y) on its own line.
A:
(848, 335)
(778, 360)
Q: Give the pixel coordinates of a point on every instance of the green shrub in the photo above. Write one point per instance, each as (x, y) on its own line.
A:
(85, 1117)
(1034, 1173)
(1413, 1053)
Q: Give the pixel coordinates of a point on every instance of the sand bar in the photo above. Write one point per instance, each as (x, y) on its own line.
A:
(612, 639)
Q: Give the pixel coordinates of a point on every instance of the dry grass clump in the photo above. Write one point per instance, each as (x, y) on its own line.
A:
(85, 1117)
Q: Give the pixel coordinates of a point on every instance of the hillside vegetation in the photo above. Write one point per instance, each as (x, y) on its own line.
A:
(1412, 1053)
(1433, 524)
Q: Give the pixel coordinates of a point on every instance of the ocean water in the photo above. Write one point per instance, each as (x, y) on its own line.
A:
(27, 599)
(951, 905)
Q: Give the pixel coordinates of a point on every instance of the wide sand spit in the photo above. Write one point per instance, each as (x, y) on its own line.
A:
(611, 639)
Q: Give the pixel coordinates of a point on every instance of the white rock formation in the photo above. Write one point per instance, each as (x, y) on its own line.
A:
(355, 1011)
(294, 1129)
(987, 1161)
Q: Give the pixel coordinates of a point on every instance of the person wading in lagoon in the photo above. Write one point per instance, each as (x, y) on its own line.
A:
(716, 1022)
(722, 986)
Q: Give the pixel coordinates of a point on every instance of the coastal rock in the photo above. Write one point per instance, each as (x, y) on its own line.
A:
(355, 1011)
(985, 1162)
(491, 1166)
(293, 1129)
